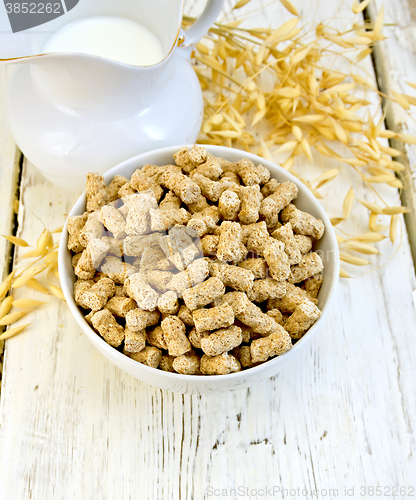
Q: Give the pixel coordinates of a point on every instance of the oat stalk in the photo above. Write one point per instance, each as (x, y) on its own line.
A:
(272, 91)
(43, 261)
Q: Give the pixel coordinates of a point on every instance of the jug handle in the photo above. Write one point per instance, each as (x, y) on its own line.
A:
(203, 24)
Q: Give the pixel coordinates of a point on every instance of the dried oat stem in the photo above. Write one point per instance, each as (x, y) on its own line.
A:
(275, 90)
(45, 251)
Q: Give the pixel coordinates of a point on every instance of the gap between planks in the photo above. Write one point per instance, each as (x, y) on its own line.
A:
(380, 58)
(10, 175)
(10, 228)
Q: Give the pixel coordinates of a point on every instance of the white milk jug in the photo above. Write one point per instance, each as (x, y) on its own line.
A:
(98, 81)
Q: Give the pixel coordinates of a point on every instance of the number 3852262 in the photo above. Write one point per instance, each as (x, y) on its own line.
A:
(33, 8)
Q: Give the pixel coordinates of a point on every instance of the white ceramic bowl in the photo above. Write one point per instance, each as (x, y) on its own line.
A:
(200, 384)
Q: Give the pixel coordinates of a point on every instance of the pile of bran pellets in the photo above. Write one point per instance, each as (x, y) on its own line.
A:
(202, 267)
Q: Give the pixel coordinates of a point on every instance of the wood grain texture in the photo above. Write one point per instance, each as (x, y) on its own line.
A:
(75, 427)
(9, 173)
(395, 62)
(9, 157)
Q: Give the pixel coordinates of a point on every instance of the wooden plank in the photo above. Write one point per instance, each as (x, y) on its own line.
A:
(74, 426)
(395, 64)
(9, 171)
(9, 175)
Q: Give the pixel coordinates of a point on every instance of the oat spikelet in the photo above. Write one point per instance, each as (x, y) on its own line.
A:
(283, 31)
(358, 7)
(22, 280)
(360, 247)
(288, 146)
(27, 303)
(34, 283)
(44, 242)
(31, 254)
(19, 242)
(395, 210)
(373, 207)
(378, 25)
(11, 332)
(355, 261)
(343, 274)
(288, 164)
(57, 292)
(304, 144)
(45, 251)
(241, 3)
(51, 258)
(11, 318)
(297, 132)
(369, 237)
(290, 7)
(299, 56)
(327, 176)
(393, 228)
(6, 306)
(410, 139)
(309, 118)
(6, 284)
(348, 203)
(363, 54)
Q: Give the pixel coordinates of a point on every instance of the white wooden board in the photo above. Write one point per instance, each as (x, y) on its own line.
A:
(341, 416)
(395, 60)
(9, 171)
(9, 156)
